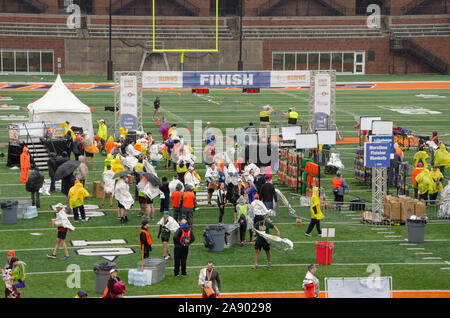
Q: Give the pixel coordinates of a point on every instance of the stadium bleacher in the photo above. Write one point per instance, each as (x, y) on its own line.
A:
(332, 31)
(414, 30)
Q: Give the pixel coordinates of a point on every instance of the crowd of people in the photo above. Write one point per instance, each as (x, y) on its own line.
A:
(247, 188)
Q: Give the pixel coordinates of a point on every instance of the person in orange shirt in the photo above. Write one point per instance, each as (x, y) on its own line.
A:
(24, 165)
(398, 150)
(188, 204)
(415, 172)
(176, 195)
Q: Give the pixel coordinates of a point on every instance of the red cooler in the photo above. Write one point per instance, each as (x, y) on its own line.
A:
(324, 252)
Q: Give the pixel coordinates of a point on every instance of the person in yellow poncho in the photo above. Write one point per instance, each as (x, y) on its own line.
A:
(437, 178)
(420, 156)
(123, 132)
(102, 132)
(77, 194)
(67, 129)
(425, 184)
(316, 213)
(442, 159)
(108, 161)
(117, 166)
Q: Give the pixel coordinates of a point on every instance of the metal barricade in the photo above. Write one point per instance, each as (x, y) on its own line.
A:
(345, 213)
(436, 211)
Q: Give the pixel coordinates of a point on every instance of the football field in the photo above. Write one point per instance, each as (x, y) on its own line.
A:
(358, 246)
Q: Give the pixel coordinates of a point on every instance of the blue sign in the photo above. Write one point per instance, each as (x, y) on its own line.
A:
(377, 155)
(226, 79)
(385, 139)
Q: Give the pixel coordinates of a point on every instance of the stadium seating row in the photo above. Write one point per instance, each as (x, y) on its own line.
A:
(255, 32)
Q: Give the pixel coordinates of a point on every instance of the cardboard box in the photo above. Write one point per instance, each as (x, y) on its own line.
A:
(97, 189)
(419, 208)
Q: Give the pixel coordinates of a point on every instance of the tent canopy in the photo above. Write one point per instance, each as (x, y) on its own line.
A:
(58, 105)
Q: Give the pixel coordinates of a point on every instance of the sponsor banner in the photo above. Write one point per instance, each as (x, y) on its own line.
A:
(377, 154)
(322, 101)
(162, 79)
(289, 79)
(128, 102)
(226, 79)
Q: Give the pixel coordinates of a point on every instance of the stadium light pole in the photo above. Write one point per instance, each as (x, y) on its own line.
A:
(240, 63)
(110, 62)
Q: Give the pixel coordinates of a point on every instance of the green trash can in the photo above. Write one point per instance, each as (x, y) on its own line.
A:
(101, 271)
(217, 233)
(416, 231)
(9, 211)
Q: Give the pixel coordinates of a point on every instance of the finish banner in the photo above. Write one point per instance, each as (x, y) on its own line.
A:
(239, 79)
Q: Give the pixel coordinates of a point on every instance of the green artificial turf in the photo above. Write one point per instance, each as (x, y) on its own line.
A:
(356, 245)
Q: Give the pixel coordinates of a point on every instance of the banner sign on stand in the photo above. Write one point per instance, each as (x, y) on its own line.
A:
(377, 155)
(128, 102)
(384, 139)
(322, 101)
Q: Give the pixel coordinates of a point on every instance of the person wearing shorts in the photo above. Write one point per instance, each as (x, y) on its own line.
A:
(262, 225)
(164, 233)
(61, 234)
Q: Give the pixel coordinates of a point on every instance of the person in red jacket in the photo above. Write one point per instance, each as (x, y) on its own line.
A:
(24, 165)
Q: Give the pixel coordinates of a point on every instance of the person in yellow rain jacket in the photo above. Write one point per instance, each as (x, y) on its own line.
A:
(117, 166)
(316, 213)
(67, 129)
(102, 132)
(421, 156)
(108, 161)
(442, 158)
(77, 194)
(425, 184)
(123, 132)
(437, 178)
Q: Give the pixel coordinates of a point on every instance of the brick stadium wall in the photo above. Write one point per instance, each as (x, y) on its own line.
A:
(88, 56)
(33, 43)
(380, 46)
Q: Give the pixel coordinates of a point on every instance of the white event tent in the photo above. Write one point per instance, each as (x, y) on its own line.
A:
(58, 105)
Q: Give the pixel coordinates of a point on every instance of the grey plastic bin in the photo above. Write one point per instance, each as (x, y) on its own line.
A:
(231, 235)
(101, 271)
(9, 211)
(416, 232)
(157, 266)
(218, 235)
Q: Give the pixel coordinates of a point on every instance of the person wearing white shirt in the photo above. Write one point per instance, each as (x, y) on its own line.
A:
(310, 279)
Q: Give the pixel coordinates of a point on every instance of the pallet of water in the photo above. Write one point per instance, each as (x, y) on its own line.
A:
(138, 277)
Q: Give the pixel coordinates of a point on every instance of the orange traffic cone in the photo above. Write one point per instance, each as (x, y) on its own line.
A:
(228, 140)
(157, 122)
(92, 109)
(188, 131)
(34, 99)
